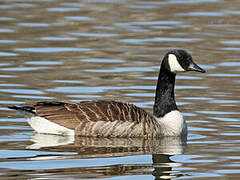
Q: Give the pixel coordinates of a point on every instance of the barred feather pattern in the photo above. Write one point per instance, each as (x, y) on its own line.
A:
(100, 118)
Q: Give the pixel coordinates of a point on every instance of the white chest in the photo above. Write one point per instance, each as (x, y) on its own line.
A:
(172, 124)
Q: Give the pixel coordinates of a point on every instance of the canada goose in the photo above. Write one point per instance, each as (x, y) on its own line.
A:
(117, 119)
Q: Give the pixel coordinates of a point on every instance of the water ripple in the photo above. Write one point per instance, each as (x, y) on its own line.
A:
(226, 64)
(121, 69)
(102, 60)
(208, 14)
(7, 30)
(51, 49)
(231, 42)
(21, 91)
(8, 41)
(33, 24)
(51, 63)
(100, 35)
(23, 68)
(63, 9)
(58, 39)
(78, 18)
(8, 54)
(160, 39)
(111, 49)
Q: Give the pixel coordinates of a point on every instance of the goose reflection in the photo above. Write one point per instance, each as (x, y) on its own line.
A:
(161, 149)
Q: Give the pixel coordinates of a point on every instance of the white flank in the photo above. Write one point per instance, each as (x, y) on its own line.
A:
(172, 124)
(174, 64)
(42, 125)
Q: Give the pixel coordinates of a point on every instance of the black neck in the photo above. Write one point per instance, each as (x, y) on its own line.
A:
(164, 98)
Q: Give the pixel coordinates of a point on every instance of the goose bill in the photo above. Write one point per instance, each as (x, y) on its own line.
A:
(195, 67)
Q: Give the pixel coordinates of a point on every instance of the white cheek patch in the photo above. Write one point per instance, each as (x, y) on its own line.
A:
(174, 64)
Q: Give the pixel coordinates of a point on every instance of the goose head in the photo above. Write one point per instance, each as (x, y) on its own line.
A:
(179, 60)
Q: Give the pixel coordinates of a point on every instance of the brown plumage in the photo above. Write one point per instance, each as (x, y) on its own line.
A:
(97, 118)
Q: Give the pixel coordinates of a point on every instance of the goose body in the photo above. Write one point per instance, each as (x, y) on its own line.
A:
(116, 119)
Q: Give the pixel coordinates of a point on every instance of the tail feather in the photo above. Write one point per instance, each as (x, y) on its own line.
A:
(29, 109)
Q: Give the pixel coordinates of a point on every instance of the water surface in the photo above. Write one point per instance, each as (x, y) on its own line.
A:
(87, 50)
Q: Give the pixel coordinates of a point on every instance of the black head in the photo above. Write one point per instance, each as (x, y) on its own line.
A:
(179, 60)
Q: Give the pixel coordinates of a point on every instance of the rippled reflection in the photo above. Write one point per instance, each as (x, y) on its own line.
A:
(106, 153)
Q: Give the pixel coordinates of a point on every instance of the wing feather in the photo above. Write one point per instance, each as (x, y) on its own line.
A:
(98, 118)
(65, 112)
